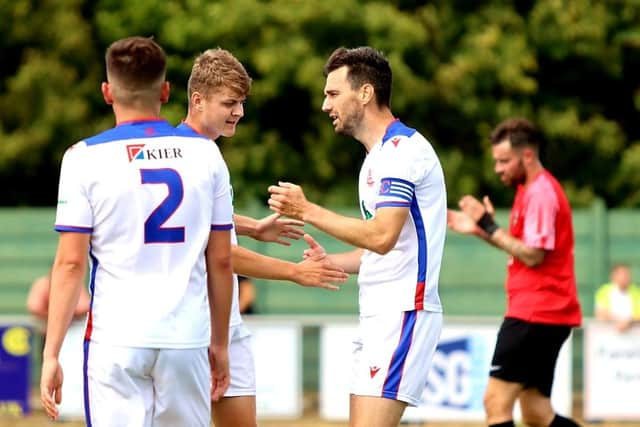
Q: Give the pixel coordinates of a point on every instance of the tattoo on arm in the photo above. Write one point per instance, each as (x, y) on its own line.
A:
(513, 246)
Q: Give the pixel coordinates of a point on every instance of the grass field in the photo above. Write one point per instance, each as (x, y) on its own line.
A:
(310, 419)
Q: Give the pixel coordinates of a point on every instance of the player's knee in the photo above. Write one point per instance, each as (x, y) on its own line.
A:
(495, 404)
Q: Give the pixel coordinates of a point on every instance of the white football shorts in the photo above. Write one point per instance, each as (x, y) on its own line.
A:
(392, 354)
(128, 386)
(241, 364)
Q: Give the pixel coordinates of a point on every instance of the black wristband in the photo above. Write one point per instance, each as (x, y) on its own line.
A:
(487, 223)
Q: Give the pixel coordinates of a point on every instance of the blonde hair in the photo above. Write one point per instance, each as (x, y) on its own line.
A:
(216, 69)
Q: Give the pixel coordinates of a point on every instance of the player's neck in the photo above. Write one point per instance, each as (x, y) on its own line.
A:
(374, 126)
(532, 172)
(192, 121)
(127, 114)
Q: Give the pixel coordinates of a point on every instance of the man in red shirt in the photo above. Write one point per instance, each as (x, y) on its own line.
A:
(542, 303)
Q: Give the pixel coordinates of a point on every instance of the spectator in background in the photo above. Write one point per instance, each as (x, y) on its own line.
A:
(619, 300)
(247, 297)
(38, 299)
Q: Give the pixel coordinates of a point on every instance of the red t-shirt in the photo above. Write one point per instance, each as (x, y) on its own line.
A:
(546, 293)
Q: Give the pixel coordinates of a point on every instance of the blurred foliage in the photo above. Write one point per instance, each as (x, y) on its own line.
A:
(459, 67)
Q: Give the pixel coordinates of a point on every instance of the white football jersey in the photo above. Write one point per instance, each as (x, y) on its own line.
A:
(235, 317)
(149, 195)
(403, 170)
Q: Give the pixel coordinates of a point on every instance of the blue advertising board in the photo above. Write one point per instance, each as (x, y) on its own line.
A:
(16, 342)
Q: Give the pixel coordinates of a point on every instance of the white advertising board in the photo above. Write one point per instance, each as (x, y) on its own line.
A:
(277, 351)
(611, 373)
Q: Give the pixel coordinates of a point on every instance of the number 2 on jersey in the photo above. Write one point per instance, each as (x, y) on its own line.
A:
(154, 232)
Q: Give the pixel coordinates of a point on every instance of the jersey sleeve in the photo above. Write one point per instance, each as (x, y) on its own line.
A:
(540, 219)
(404, 169)
(73, 212)
(222, 215)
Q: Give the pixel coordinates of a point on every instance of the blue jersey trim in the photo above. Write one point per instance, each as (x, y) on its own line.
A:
(137, 130)
(73, 228)
(189, 131)
(397, 128)
(393, 205)
(221, 227)
(423, 254)
(396, 366)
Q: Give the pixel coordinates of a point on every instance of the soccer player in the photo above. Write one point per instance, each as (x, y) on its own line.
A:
(150, 206)
(400, 238)
(218, 87)
(542, 303)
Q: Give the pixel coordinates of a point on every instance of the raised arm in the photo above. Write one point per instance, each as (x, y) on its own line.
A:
(476, 218)
(316, 272)
(271, 228)
(378, 234)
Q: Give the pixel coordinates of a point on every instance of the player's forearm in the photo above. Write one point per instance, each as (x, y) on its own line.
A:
(66, 285)
(348, 261)
(220, 290)
(529, 256)
(244, 225)
(219, 285)
(366, 234)
(252, 264)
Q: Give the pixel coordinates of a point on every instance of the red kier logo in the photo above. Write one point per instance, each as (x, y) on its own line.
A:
(134, 151)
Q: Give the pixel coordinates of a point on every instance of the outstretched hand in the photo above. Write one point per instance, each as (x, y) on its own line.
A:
(275, 229)
(315, 249)
(460, 222)
(316, 270)
(288, 199)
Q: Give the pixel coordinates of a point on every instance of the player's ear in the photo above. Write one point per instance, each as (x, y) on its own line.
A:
(106, 93)
(529, 154)
(164, 92)
(196, 100)
(366, 93)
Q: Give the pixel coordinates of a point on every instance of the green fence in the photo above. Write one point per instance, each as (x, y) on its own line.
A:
(471, 281)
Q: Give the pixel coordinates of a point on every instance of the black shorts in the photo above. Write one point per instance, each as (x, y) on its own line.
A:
(526, 353)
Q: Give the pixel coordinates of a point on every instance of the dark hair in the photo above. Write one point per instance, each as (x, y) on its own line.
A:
(136, 63)
(520, 133)
(365, 65)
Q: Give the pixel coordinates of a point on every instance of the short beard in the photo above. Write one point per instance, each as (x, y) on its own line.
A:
(351, 122)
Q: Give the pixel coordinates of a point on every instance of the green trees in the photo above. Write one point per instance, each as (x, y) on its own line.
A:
(459, 67)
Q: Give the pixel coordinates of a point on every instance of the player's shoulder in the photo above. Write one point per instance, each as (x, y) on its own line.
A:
(397, 135)
(402, 138)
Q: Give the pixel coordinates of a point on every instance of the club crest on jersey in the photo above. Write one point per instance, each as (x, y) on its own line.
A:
(138, 152)
(395, 141)
(385, 186)
(370, 181)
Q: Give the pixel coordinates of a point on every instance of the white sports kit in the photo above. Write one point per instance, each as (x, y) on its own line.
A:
(149, 194)
(241, 362)
(400, 310)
